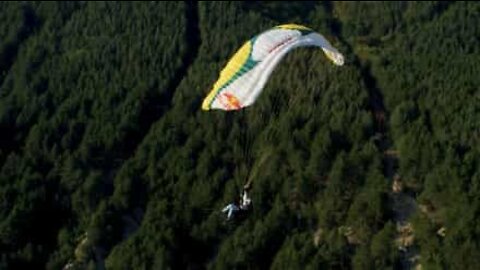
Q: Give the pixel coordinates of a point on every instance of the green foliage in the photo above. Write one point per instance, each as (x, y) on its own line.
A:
(426, 68)
(107, 161)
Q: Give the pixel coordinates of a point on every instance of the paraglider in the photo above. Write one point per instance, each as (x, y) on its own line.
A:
(246, 201)
(245, 75)
(230, 209)
(242, 80)
(244, 205)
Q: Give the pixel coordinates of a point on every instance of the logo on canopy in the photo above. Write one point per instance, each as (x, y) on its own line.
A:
(229, 101)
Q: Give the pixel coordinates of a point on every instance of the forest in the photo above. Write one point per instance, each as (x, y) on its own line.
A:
(108, 162)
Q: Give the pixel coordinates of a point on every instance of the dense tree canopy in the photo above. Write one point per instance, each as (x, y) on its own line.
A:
(107, 161)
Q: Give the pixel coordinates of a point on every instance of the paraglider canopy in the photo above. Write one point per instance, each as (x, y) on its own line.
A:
(245, 75)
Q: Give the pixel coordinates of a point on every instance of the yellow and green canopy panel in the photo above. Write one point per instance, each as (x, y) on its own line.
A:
(244, 77)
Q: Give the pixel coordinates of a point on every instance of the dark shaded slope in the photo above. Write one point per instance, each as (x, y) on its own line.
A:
(157, 103)
(401, 205)
(8, 54)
